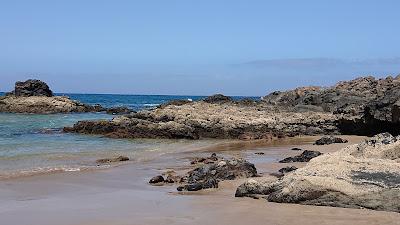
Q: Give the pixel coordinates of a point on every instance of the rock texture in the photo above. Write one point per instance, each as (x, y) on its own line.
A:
(366, 175)
(34, 96)
(113, 160)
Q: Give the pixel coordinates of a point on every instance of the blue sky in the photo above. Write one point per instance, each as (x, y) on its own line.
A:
(196, 47)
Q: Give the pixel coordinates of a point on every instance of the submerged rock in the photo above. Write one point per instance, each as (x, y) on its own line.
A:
(327, 140)
(366, 175)
(113, 160)
(305, 156)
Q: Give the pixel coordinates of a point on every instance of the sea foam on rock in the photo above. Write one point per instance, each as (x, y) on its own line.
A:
(365, 175)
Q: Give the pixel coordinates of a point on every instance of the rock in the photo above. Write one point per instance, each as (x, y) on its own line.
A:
(254, 187)
(305, 156)
(208, 175)
(287, 169)
(118, 110)
(259, 153)
(113, 160)
(366, 175)
(296, 149)
(205, 160)
(157, 180)
(327, 140)
(218, 98)
(178, 102)
(34, 96)
(31, 88)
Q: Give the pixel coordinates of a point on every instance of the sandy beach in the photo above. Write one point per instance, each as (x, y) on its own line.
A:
(122, 196)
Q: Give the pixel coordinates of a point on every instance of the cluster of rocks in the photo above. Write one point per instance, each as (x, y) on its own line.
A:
(366, 175)
(208, 173)
(112, 160)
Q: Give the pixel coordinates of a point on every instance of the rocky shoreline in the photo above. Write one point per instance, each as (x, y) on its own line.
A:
(364, 106)
(365, 175)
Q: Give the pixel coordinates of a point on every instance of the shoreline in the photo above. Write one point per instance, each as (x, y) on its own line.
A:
(121, 195)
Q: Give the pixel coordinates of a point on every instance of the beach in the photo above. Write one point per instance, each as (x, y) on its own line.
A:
(122, 195)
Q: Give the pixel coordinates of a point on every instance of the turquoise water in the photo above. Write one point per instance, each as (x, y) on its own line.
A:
(32, 144)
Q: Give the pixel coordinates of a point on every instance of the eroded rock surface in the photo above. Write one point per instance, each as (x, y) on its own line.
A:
(366, 175)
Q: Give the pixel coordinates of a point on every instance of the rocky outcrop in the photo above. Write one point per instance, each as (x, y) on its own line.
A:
(305, 156)
(205, 120)
(364, 106)
(366, 175)
(31, 88)
(218, 98)
(328, 140)
(35, 96)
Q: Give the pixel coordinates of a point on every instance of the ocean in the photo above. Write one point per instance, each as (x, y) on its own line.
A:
(33, 144)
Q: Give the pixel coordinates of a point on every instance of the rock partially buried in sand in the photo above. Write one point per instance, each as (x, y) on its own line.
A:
(296, 149)
(287, 169)
(366, 175)
(306, 156)
(327, 140)
(112, 160)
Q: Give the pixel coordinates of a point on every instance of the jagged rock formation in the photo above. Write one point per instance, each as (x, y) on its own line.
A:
(31, 88)
(366, 175)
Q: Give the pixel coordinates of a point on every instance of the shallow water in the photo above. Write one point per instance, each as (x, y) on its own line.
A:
(32, 144)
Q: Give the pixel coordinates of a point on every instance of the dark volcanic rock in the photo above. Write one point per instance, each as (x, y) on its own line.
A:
(306, 156)
(157, 180)
(31, 88)
(327, 140)
(218, 98)
(208, 175)
(112, 160)
(296, 149)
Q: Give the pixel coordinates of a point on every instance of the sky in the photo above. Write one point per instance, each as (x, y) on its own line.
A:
(186, 47)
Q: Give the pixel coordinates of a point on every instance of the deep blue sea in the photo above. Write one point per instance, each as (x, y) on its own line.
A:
(31, 144)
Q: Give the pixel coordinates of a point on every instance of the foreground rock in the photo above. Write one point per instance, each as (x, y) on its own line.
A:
(328, 140)
(34, 96)
(366, 175)
(208, 173)
(305, 156)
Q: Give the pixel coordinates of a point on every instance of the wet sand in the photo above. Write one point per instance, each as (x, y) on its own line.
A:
(121, 195)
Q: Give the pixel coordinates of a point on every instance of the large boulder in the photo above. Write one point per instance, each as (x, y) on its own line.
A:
(31, 87)
(366, 175)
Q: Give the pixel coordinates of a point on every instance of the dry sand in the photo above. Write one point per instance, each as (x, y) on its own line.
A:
(121, 195)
